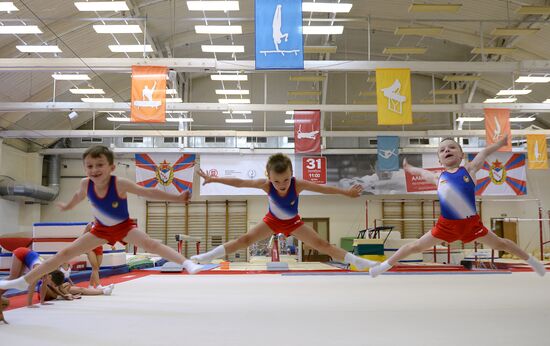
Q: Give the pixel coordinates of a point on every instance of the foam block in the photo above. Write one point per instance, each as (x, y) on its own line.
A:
(58, 229)
(58, 246)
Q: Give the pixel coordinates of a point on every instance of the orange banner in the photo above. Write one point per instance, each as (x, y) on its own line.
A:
(537, 152)
(149, 94)
(497, 125)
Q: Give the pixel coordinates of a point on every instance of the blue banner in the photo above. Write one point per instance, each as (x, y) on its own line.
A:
(279, 40)
(388, 153)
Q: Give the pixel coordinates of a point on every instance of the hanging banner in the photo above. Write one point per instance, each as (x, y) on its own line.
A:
(167, 172)
(497, 125)
(502, 174)
(307, 131)
(393, 96)
(416, 183)
(148, 94)
(279, 40)
(314, 169)
(388, 153)
(537, 152)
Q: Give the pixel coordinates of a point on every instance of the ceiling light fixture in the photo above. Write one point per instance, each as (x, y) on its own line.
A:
(93, 6)
(237, 101)
(117, 29)
(179, 120)
(522, 120)
(237, 112)
(59, 76)
(222, 48)
(19, 29)
(213, 5)
(502, 100)
(533, 79)
(465, 119)
(8, 7)
(239, 121)
(326, 7)
(232, 92)
(512, 92)
(229, 77)
(219, 29)
(171, 92)
(97, 99)
(87, 91)
(323, 30)
(130, 48)
(174, 100)
(38, 49)
(72, 115)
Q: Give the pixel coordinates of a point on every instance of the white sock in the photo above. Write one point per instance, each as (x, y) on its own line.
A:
(192, 267)
(382, 268)
(358, 262)
(537, 265)
(207, 257)
(19, 284)
(108, 290)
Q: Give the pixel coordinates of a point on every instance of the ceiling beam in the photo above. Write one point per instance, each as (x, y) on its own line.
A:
(175, 133)
(124, 65)
(40, 107)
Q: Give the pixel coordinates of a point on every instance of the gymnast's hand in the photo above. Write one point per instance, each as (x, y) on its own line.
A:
(206, 177)
(185, 196)
(355, 191)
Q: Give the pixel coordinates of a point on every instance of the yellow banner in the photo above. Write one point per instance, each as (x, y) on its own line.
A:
(148, 94)
(537, 153)
(393, 96)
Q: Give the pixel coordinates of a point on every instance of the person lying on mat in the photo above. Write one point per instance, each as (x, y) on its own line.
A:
(61, 290)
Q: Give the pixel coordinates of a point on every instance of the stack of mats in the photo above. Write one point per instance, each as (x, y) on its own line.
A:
(372, 249)
(46, 233)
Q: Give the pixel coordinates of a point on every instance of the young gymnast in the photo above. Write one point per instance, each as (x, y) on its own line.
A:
(283, 192)
(107, 194)
(459, 219)
(24, 259)
(64, 290)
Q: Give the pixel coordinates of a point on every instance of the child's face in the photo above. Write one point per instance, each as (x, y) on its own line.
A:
(281, 181)
(450, 154)
(98, 169)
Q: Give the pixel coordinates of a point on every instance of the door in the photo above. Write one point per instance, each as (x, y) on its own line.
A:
(321, 226)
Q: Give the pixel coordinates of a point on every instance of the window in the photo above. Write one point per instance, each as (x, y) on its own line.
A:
(91, 140)
(214, 139)
(132, 139)
(373, 141)
(290, 139)
(170, 139)
(419, 141)
(256, 139)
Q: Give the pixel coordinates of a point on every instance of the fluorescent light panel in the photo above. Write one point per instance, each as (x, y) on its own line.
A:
(404, 50)
(96, 99)
(177, 120)
(232, 92)
(289, 121)
(522, 120)
(511, 92)
(59, 76)
(222, 48)
(470, 119)
(534, 10)
(8, 7)
(229, 77)
(171, 92)
(130, 48)
(323, 30)
(533, 79)
(218, 29)
(19, 29)
(117, 29)
(239, 121)
(38, 49)
(87, 91)
(92, 6)
(239, 101)
(546, 101)
(237, 112)
(213, 5)
(419, 31)
(326, 7)
(449, 8)
(513, 32)
(502, 100)
(174, 100)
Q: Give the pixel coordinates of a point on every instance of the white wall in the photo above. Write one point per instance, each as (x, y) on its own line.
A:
(347, 216)
(15, 215)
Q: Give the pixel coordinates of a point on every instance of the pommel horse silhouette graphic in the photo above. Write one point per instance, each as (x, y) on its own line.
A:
(395, 101)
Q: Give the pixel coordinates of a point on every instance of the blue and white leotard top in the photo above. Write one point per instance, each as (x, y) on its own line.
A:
(283, 207)
(111, 209)
(456, 193)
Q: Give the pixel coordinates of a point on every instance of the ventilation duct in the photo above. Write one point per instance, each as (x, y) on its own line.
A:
(11, 188)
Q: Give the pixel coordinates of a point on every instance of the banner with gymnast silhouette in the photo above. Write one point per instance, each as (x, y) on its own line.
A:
(148, 103)
(167, 172)
(537, 152)
(502, 174)
(279, 40)
(497, 125)
(393, 96)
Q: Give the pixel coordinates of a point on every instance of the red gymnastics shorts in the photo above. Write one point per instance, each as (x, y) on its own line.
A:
(98, 251)
(465, 230)
(21, 252)
(114, 233)
(285, 227)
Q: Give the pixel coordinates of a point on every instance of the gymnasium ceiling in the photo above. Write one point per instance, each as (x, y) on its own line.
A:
(170, 29)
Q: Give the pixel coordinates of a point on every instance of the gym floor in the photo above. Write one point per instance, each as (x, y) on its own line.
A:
(298, 309)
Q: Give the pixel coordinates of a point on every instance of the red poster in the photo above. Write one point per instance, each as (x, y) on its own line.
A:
(416, 183)
(307, 131)
(314, 169)
(148, 94)
(497, 125)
